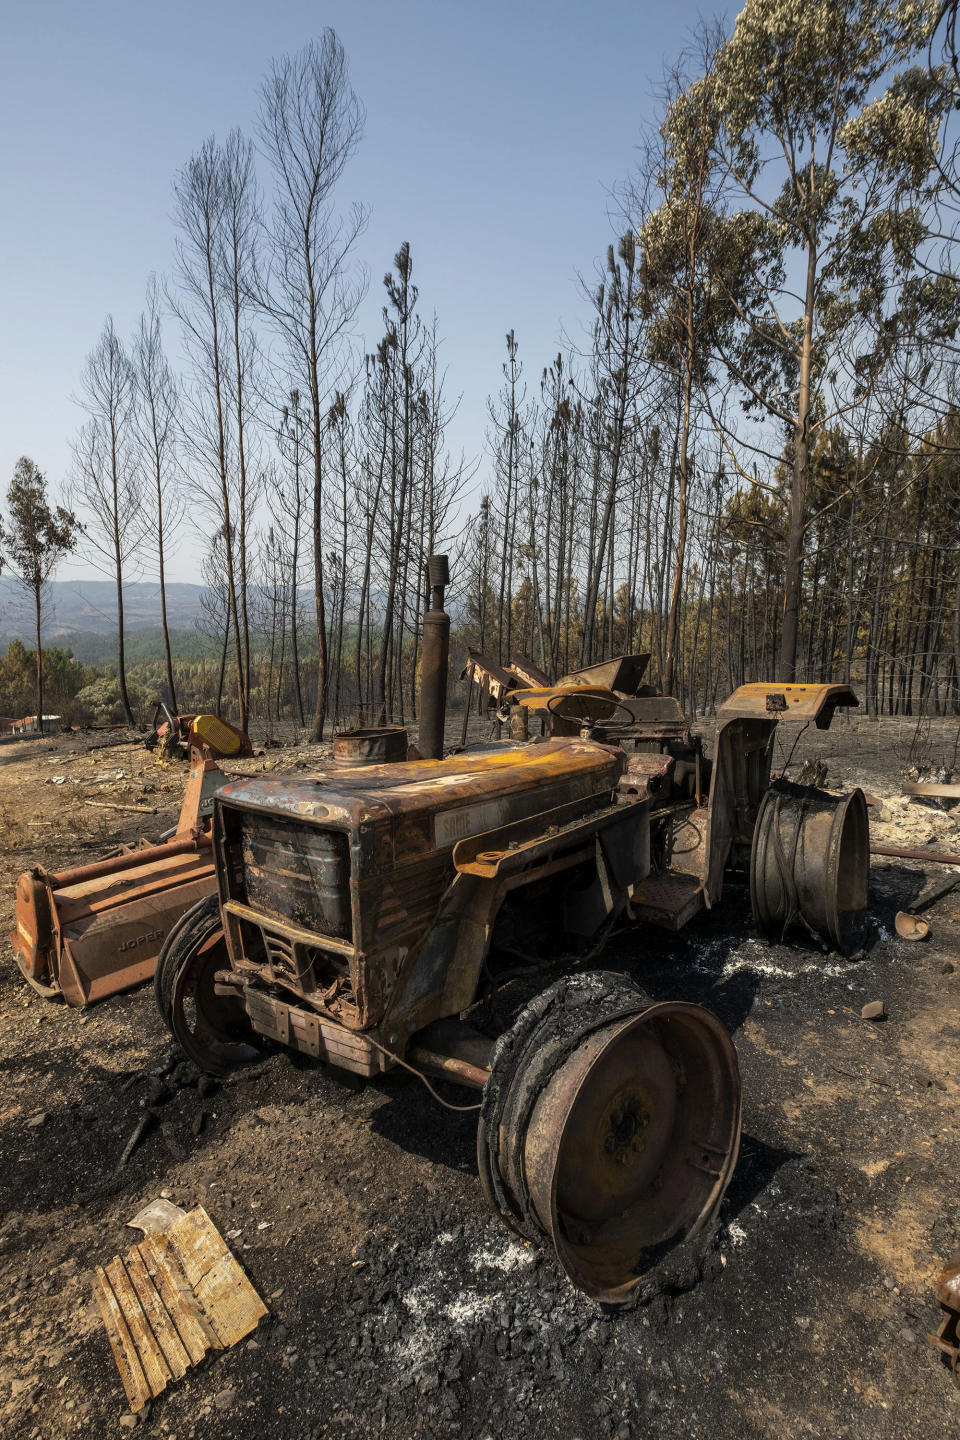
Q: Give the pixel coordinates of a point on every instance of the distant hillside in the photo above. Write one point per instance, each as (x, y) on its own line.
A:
(92, 648)
(90, 607)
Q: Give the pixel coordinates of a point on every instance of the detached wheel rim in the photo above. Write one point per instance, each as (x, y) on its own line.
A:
(632, 1144)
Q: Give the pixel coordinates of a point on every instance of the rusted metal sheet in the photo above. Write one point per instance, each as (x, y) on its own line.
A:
(623, 674)
(171, 1299)
(495, 680)
(526, 672)
(773, 700)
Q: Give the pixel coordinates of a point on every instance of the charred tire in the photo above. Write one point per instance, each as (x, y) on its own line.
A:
(610, 1127)
(199, 914)
(211, 1029)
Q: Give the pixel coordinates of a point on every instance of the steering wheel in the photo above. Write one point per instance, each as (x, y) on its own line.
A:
(586, 697)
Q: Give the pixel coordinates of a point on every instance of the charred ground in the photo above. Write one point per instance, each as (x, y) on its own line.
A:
(398, 1304)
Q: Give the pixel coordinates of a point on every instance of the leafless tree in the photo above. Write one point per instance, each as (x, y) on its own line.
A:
(310, 125)
(209, 302)
(292, 500)
(155, 419)
(108, 484)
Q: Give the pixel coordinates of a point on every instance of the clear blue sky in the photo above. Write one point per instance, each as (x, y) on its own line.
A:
(494, 134)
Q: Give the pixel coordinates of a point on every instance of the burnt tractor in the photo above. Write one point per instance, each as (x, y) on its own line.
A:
(362, 912)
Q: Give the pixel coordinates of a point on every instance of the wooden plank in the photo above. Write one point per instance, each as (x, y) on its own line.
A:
(178, 1294)
(178, 1298)
(174, 1351)
(121, 1343)
(229, 1302)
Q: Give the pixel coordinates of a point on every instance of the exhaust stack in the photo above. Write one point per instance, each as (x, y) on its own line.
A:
(436, 654)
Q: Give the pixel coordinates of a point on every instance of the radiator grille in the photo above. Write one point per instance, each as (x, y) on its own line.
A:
(298, 873)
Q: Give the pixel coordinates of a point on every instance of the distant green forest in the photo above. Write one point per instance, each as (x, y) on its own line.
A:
(188, 646)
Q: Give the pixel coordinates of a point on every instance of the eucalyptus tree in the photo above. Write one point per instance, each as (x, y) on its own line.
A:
(36, 537)
(683, 292)
(310, 125)
(822, 129)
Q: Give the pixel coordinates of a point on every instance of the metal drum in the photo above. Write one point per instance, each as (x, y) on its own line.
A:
(375, 745)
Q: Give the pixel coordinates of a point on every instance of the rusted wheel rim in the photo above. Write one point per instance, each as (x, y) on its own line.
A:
(632, 1144)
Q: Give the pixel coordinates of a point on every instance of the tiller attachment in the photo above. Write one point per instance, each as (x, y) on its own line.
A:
(97, 929)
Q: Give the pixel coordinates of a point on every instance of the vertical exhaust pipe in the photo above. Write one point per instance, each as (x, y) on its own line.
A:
(436, 654)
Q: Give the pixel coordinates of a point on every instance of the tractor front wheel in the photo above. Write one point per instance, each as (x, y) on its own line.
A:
(212, 1030)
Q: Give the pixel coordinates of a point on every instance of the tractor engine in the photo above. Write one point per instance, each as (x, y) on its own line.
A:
(332, 887)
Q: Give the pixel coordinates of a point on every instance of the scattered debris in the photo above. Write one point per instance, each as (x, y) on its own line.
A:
(160, 1214)
(933, 857)
(925, 789)
(135, 1138)
(177, 1294)
(910, 927)
(812, 772)
(875, 1010)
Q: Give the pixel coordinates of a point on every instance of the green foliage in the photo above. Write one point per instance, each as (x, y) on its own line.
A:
(63, 676)
(38, 536)
(100, 702)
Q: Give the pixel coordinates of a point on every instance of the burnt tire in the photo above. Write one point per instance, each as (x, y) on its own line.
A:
(199, 915)
(212, 1030)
